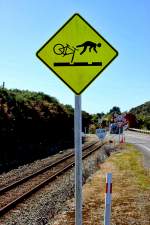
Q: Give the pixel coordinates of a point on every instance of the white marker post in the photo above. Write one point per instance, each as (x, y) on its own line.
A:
(78, 161)
(108, 194)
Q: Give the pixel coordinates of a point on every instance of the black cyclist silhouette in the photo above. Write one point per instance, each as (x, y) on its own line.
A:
(67, 49)
(89, 44)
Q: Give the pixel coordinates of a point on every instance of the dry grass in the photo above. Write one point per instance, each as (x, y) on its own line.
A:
(131, 192)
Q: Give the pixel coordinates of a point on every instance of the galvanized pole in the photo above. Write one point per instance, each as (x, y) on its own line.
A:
(3, 85)
(78, 161)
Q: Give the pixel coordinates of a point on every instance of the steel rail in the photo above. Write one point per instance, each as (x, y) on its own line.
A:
(24, 179)
(12, 204)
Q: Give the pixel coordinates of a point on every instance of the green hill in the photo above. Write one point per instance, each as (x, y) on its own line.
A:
(142, 113)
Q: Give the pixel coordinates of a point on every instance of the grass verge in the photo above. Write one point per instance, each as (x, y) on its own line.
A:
(130, 192)
(130, 161)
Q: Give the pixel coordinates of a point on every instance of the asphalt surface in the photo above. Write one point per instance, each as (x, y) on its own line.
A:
(142, 142)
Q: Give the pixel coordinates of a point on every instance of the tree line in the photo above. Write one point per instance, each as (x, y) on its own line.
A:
(34, 125)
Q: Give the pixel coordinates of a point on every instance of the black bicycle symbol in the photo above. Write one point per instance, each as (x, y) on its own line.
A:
(60, 49)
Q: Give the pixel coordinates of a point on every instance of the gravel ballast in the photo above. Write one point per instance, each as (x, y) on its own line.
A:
(41, 207)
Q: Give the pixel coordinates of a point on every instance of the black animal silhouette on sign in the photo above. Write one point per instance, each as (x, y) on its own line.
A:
(89, 44)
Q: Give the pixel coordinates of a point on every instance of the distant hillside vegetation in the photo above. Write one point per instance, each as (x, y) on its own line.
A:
(33, 125)
(142, 113)
(143, 109)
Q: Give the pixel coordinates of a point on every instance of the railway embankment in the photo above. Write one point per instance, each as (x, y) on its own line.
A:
(47, 202)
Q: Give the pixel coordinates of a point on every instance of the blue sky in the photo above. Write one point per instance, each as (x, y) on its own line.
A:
(27, 24)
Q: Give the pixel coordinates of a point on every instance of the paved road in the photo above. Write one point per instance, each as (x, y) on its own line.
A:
(142, 142)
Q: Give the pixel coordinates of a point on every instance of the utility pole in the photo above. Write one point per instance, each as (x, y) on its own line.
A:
(3, 86)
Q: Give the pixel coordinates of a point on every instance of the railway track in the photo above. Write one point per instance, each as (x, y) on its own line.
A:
(16, 192)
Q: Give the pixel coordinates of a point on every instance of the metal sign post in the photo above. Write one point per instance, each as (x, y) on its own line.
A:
(78, 160)
(77, 49)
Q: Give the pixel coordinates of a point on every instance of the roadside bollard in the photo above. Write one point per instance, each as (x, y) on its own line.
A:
(108, 196)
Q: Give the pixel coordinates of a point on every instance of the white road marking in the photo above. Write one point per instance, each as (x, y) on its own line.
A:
(144, 147)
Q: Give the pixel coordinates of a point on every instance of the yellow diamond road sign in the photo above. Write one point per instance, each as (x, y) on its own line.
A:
(77, 53)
